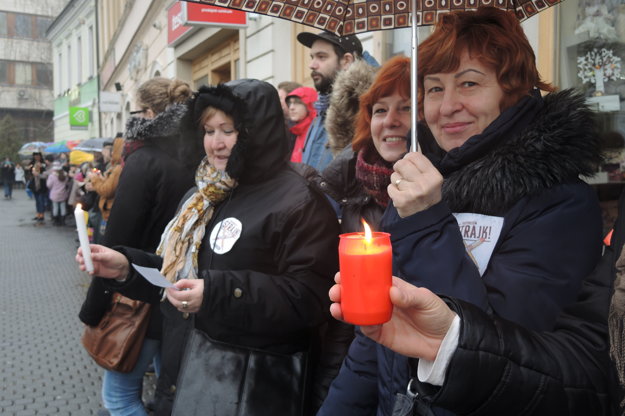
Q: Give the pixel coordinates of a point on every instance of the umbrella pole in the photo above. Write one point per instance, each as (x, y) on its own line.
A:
(414, 143)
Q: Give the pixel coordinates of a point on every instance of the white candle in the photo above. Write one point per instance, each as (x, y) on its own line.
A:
(81, 226)
(599, 80)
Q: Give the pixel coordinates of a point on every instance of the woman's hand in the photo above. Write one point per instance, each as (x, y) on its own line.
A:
(188, 295)
(107, 262)
(415, 185)
(418, 325)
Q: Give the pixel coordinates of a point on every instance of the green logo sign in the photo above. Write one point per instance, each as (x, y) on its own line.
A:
(78, 116)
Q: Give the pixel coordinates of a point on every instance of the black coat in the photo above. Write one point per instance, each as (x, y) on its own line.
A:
(270, 290)
(151, 184)
(565, 371)
(8, 172)
(523, 172)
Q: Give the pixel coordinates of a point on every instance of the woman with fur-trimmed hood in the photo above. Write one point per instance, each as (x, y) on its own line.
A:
(501, 219)
(154, 178)
(254, 246)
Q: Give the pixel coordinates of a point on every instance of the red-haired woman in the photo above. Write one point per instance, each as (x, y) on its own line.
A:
(357, 179)
(502, 219)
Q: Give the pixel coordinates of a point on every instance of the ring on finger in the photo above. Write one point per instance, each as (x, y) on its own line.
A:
(398, 181)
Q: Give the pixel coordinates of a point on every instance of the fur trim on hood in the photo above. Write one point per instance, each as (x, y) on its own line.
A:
(560, 144)
(346, 91)
(165, 124)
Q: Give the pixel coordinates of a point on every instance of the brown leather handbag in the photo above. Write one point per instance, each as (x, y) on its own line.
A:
(115, 343)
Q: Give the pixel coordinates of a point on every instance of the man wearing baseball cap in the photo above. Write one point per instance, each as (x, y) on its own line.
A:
(329, 54)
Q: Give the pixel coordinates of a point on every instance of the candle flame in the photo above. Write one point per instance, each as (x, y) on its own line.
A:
(368, 234)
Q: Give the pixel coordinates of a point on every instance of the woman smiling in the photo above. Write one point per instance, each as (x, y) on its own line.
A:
(501, 218)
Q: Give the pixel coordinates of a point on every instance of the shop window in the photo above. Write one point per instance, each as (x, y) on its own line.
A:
(592, 53)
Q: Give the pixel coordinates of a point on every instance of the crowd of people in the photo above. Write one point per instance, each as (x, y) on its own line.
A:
(54, 184)
(237, 194)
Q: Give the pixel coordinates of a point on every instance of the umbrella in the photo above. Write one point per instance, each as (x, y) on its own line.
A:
(57, 148)
(77, 157)
(27, 149)
(95, 144)
(346, 17)
(72, 143)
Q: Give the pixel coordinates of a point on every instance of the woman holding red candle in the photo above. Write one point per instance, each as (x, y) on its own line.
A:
(358, 177)
(502, 219)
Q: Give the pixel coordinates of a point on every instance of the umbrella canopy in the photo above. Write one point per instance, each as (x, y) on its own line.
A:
(27, 149)
(57, 148)
(72, 143)
(77, 157)
(95, 144)
(347, 17)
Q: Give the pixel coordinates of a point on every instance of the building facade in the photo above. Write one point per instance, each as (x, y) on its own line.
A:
(76, 85)
(26, 78)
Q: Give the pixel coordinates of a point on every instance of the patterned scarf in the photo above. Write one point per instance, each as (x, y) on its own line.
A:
(374, 173)
(322, 103)
(183, 235)
(130, 146)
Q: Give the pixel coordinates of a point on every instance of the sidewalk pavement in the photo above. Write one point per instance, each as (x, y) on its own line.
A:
(44, 369)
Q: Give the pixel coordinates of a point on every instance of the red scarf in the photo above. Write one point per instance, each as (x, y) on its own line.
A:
(374, 173)
(301, 130)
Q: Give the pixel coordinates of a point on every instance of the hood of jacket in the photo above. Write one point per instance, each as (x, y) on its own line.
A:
(348, 86)
(164, 125)
(261, 149)
(308, 96)
(558, 145)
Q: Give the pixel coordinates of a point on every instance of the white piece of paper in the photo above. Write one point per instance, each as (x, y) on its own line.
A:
(480, 234)
(153, 276)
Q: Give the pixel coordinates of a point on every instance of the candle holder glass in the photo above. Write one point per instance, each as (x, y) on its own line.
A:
(366, 277)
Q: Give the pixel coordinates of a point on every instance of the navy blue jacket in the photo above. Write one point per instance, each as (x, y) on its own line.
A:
(523, 168)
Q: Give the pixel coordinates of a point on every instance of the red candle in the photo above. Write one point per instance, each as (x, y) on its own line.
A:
(366, 276)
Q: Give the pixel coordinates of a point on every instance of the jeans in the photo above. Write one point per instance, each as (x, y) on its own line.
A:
(121, 392)
(59, 208)
(40, 202)
(8, 189)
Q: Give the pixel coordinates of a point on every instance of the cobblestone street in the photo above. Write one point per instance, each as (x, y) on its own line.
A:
(44, 369)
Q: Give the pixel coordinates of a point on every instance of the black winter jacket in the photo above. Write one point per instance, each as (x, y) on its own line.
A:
(270, 290)
(150, 186)
(564, 371)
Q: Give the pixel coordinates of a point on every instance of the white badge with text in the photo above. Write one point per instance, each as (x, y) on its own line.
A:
(225, 233)
(480, 234)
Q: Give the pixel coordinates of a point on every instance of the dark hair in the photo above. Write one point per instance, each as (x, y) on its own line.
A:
(491, 35)
(393, 76)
